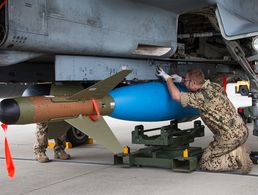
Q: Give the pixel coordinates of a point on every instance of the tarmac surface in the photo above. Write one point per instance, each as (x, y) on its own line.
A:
(91, 169)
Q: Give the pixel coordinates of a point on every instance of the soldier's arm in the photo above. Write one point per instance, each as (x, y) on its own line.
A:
(173, 90)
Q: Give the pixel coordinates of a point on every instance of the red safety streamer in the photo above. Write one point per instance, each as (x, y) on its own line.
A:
(8, 157)
(225, 83)
(96, 109)
(3, 4)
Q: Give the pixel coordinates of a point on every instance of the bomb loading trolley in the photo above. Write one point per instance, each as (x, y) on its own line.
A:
(169, 149)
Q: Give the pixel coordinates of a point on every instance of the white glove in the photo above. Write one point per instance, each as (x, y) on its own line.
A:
(176, 78)
(161, 73)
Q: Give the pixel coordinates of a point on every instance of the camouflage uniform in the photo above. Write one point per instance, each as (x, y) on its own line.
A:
(42, 140)
(226, 152)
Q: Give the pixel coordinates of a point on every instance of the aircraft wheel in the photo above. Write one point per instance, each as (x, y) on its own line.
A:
(76, 137)
(243, 90)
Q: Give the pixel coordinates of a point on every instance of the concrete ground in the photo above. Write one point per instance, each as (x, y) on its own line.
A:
(90, 171)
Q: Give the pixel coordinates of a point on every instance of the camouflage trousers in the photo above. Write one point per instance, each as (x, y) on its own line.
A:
(41, 142)
(220, 155)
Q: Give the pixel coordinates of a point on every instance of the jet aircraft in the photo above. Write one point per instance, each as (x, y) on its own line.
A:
(57, 48)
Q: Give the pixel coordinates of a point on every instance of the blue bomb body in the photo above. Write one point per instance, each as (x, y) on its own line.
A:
(149, 102)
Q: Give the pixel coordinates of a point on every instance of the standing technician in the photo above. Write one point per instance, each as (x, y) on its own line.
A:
(41, 144)
(227, 152)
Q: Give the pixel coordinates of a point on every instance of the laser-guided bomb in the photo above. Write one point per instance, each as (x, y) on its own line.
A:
(139, 102)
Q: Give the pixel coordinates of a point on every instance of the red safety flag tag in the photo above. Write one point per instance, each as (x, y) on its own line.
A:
(3, 4)
(8, 156)
(224, 83)
(96, 108)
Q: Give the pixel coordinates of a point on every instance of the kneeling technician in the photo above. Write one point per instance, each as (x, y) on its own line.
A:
(227, 152)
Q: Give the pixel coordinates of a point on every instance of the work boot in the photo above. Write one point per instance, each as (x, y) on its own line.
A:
(41, 157)
(61, 154)
(243, 158)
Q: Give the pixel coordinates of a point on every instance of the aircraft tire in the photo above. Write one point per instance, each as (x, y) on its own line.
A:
(76, 137)
(243, 90)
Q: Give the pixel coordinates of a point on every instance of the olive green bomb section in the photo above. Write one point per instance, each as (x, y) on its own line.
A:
(107, 105)
(27, 110)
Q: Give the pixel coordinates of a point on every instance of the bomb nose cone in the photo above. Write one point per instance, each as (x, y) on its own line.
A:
(9, 111)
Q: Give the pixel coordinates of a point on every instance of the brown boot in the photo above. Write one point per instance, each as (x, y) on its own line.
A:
(41, 157)
(243, 158)
(61, 154)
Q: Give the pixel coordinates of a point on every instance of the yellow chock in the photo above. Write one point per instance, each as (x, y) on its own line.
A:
(126, 150)
(185, 153)
(89, 141)
(68, 145)
(51, 145)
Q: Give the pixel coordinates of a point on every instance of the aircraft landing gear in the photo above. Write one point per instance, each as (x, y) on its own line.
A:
(254, 155)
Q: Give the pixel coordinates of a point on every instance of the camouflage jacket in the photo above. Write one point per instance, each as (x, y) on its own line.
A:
(216, 111)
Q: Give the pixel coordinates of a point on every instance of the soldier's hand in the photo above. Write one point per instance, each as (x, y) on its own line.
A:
(176, 78)
(161, 73)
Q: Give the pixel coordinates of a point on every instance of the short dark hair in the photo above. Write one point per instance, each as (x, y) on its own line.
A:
(196, 75)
